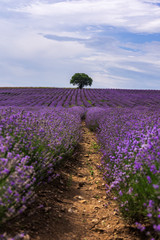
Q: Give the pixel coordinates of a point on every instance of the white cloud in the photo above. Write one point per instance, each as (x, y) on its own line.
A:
(29, 59)
(125, 68)
(26, 44)
(109, 80)
(136, 16)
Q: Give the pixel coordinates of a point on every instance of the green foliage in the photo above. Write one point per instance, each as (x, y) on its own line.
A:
(81, 79)
(95, 146)
(89, 101)
(69, 181)
(92, 172)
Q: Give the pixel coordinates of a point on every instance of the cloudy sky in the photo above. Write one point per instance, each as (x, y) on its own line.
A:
(116, 42)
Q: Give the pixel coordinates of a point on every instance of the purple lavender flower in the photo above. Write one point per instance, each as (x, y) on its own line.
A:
(155, 186)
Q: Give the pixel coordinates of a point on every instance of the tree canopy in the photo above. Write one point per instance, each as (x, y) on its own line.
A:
(81, 79)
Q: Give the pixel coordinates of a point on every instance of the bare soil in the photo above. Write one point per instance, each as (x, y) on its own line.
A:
(75, 205)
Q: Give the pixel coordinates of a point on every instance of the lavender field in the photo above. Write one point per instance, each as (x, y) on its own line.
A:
(55, 97)
(40, 127)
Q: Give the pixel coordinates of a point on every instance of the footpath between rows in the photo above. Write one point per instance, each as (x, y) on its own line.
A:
(75, 206)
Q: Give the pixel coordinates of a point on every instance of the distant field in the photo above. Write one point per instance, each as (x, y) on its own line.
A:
(67, 97)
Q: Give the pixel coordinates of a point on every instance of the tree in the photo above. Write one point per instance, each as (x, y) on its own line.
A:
(81, 79)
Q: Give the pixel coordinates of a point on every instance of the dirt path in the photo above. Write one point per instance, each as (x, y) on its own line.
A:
(75, 206)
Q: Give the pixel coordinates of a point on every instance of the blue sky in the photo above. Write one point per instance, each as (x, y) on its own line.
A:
(44, 42)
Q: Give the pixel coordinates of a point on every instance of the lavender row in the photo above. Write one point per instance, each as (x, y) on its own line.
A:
(130, 142)
(65, 97)
(32, 143)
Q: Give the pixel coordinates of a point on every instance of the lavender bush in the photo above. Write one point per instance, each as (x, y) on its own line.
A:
(130, 142)
(31, 144)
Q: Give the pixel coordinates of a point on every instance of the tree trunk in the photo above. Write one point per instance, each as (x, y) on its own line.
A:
(80, 86)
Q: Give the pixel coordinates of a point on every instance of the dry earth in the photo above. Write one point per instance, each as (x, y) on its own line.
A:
(75, 206)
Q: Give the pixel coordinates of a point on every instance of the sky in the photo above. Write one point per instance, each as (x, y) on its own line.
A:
(43, 43)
